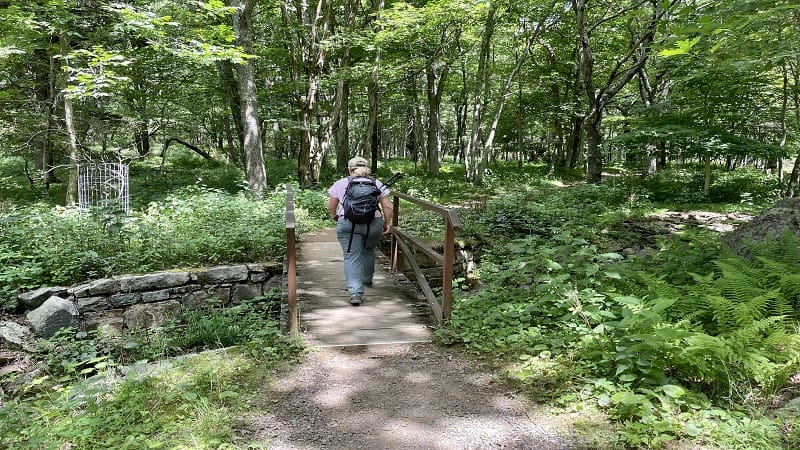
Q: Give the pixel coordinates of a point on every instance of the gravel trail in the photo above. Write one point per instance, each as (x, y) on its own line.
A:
(410, 396)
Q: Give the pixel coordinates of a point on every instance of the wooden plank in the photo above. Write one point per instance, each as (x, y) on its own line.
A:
(387, 315)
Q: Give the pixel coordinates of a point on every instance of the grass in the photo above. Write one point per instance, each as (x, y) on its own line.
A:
(192, 403)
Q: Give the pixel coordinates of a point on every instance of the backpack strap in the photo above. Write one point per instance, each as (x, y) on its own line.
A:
(352, 231)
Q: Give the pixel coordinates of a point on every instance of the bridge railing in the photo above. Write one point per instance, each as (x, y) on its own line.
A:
(402, 240)
(291, 263)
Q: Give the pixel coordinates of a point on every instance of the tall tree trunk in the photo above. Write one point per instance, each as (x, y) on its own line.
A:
(43, 74)
(370, 146)
(255, 171)
(474, 147)
(371, 135)
(794, 177)
(230, 89)
(622, 71)
(461, 118)
(46, 77)
(594, 140)
(774, 162)
(434, 90)
(342, 106)
(501, 100)
(142, 137)
(343, 126)
(310, 58)
(72, 183)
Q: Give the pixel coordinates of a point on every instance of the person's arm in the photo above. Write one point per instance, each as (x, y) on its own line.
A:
(333, 205)
(386, 207)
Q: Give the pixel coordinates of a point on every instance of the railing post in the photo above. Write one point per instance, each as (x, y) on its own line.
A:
(395, 249)
(291, 260)
(446, 259)
(449, 263)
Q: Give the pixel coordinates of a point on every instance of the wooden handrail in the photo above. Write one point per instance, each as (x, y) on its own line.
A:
(400, 239)
(291, 262)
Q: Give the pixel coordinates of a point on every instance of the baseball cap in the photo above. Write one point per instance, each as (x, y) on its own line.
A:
(357, 162)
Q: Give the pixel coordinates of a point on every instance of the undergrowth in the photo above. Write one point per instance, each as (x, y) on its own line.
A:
(697, 360)
(79, 401)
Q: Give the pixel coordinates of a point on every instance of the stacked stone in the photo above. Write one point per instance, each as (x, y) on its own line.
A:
(148, 300)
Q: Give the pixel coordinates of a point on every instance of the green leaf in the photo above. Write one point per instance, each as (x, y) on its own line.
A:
(627, 377)
(625, 300)
(673, 391)
(552, 265)
(228, 394)
(693, 430)
(681, 47)
(613, 275)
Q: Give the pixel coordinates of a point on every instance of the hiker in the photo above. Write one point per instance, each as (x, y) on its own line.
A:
(353, 205)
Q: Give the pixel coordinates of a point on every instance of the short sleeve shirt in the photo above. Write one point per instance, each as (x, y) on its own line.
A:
(340, 186)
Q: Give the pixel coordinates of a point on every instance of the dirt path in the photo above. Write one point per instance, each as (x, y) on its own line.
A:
(412, 396)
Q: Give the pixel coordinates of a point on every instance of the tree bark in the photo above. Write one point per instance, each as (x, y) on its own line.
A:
(74, 151)
(434, 90)
(230, 89)
(310, 57)
(341, 119)
(794, 177)
(474, 147)
(255, 170)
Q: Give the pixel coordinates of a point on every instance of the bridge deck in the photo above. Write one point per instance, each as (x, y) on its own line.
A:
(392, 311)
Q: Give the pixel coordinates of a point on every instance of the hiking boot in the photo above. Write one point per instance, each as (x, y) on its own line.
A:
(355, 299)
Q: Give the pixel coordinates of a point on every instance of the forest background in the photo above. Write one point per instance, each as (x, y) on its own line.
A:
(554, 125)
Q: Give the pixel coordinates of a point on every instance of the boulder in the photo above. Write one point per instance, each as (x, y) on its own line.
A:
(54, 314)
(15, 336)
(34, 299)
(785, 215)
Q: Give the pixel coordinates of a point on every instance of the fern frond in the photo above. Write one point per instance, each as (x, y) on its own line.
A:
(750, 337)
(783, 248)
(738, 267)
(723, 314)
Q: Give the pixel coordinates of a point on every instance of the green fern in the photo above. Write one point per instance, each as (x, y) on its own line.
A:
(783, 248)
(744, 317)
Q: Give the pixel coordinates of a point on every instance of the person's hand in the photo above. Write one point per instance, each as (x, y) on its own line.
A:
(387, 228)
(335, 217)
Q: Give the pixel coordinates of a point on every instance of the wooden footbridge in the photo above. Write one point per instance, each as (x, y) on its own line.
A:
(393, 310)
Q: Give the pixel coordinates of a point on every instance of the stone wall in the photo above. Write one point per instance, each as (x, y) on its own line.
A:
(143, 300)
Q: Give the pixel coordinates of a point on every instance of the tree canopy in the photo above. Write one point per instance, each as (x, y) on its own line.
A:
(577, 85)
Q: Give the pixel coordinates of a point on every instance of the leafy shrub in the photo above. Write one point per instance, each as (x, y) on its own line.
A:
(194, 227)
(747, 185)
(656, 351)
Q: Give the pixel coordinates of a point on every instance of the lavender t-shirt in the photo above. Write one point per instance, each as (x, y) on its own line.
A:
(340, 186)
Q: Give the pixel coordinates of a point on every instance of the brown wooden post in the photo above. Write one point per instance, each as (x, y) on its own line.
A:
(291, 260)
(449, 263)
(395, 221)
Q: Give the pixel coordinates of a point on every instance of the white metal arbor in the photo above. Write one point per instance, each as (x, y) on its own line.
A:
(103, 185)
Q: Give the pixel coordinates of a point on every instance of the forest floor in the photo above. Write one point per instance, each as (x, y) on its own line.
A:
(410, 396)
